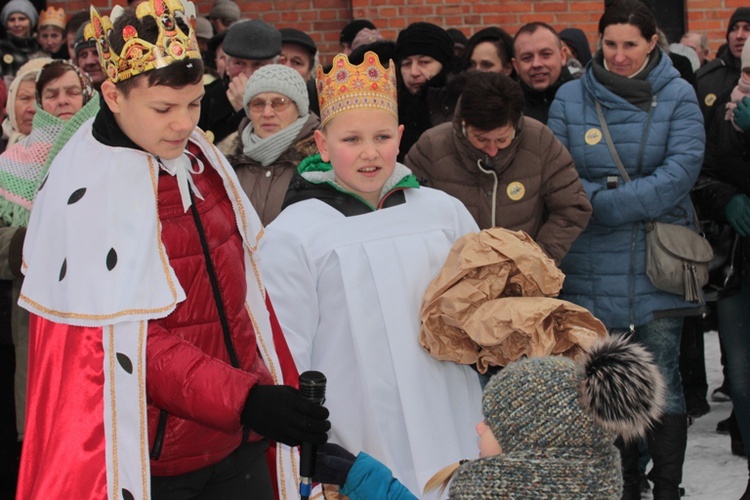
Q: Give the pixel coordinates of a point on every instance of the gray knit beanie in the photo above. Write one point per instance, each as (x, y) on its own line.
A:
(225, 9)
(556, 421)
(22, 7)
(281, 80)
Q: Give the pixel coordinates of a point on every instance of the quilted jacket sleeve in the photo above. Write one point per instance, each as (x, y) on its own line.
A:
(568, 208)
(656, 194)
(419, 159)
(188, 383)
(557, 122)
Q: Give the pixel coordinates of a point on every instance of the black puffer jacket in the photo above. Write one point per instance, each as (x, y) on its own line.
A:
(14, 53)
(725, 172)
(536, 103)
(714, 79)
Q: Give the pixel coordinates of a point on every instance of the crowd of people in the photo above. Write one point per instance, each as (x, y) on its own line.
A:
(195, 210)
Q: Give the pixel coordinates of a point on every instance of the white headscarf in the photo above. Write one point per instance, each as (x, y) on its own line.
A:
(28, 71)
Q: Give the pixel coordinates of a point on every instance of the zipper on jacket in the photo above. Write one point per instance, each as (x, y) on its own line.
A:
(161, 427)
(382, 201)
(631, 281)
(234, 360)
(634, 236)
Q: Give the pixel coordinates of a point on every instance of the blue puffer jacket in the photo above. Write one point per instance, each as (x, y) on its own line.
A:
(606, 266)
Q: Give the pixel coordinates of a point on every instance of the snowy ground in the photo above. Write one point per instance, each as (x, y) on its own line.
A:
(711, 472)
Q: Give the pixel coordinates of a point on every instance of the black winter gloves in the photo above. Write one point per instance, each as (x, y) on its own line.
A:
(280, 413)
(332, 464)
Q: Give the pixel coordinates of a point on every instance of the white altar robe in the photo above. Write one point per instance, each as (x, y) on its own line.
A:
(347, 292)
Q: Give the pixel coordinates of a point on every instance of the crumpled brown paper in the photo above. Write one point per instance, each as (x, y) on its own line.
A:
(490, 304)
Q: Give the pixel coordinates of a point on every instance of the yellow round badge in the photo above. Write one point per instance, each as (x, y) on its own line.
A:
(515, 191)
(8, 58)
(210, 136)
(710, 99)
(593, 136)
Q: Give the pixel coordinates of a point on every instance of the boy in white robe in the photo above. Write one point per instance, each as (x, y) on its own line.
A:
(347, 264)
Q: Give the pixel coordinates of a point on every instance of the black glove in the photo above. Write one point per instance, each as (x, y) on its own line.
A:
(278, 412)
(332, 464)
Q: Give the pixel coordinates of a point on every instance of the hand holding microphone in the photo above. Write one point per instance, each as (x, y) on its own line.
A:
(312, 386)
(281, 413)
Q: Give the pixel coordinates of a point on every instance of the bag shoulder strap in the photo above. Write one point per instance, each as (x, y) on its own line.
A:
(616, 157)
(610, 144)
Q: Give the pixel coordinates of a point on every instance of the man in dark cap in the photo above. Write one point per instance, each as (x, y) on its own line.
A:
(298, 51)
(86, 57)
(248, 45)
(721, 74)
(349, 32)
(223, 14)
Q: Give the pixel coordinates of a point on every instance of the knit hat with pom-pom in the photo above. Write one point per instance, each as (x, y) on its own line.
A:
(556, 421)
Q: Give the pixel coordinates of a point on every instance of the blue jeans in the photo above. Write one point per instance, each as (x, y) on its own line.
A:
(734, 329)
(661, 337)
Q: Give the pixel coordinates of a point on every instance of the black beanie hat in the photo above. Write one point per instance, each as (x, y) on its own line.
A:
(424, 39)
(741, 14)
(349, 31)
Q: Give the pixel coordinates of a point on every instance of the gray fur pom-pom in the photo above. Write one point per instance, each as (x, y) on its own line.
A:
(623, 389)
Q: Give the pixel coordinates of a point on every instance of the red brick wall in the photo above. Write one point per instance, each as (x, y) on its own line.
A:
(323, 19)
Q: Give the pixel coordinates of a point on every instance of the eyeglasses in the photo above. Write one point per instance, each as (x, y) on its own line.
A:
(277, 104)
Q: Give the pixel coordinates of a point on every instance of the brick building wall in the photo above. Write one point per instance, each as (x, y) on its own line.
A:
(323, 19)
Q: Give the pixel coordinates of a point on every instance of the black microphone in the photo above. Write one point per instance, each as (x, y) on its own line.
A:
(312, 386)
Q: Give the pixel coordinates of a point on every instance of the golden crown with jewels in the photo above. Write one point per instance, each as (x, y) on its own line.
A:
(365, 86)
(137, 55)
(52, 17)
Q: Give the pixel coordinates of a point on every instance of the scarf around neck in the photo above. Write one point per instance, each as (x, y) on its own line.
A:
(635, 89)
(24, 166)
(266, 151)
(739, 92)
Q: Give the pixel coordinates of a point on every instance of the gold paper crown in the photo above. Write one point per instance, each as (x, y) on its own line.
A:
(52, 17)
(347, 87)
(137, 55)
